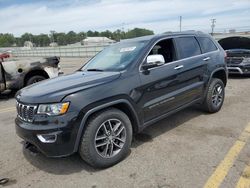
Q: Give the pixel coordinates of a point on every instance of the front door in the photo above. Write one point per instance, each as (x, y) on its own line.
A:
(172, 85)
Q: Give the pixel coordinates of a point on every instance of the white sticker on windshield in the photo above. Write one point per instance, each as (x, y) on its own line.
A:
(128, 49)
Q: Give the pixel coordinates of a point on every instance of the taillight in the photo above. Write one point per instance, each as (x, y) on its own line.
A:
(225, 56)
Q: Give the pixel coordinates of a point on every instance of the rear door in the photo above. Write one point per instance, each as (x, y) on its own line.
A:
(209, 49)
(194, 68)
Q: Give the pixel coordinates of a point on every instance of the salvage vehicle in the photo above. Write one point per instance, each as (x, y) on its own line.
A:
(238, 61)
(4, 55)
(123, 89)
(16, 74)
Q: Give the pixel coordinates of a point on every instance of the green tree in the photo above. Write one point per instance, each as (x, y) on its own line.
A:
(138, 32)
(60, 38)
(107, 34)
(6, 40)
(71, 37)
(27, 37)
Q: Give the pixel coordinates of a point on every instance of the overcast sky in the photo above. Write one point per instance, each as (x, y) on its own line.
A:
(41, 16)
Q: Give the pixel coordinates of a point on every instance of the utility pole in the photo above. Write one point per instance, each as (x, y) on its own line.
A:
(52, 36)
(180, 22)
(123, 32)
(213, 21)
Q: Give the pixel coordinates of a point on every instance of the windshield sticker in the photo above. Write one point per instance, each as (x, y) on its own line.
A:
(128, 49)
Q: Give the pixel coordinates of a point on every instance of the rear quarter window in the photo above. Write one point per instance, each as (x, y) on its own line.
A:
(187, 47)
(207, 45)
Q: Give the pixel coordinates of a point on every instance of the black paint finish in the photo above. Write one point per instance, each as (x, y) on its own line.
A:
(145, 96)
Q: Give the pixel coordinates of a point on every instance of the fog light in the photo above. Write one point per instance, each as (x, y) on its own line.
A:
(47, 138)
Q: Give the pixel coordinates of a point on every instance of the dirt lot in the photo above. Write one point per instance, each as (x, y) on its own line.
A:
(188, 149)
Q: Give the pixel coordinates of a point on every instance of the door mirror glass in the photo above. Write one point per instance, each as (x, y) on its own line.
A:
(153, 61)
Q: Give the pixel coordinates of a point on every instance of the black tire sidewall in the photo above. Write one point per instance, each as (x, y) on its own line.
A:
(31, 79)
(93, 126)
(211, 107)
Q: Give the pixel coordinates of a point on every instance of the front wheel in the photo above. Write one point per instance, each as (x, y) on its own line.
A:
(35, 79)
(215, 96)
(107, 138)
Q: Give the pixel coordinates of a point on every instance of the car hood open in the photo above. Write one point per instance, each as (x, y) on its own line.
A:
(54, 90)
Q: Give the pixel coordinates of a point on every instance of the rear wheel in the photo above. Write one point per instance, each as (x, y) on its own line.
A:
(35, 79)
(107, 138)
(215, 96)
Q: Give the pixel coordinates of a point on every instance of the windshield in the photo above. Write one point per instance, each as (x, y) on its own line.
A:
(116, 57)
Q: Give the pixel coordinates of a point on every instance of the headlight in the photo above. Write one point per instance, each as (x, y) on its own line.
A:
(246, 61)
(53, 109)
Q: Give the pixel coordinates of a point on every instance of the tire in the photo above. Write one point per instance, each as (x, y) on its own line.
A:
(91, 147)
(34, 79)
(215, 96)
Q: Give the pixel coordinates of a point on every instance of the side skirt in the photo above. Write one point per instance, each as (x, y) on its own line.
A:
(150, 122)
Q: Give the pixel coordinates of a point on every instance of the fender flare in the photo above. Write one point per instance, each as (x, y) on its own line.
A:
(211, 76)
(218, 69)
(31, 71)
(97, 108)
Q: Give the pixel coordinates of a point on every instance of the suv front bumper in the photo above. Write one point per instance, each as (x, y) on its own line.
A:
(52, 139)
(238, 69)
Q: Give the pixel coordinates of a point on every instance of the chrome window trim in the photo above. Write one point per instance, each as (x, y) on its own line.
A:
(176, 61)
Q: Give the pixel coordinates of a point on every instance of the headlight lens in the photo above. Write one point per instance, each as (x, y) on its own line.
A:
(246, 61)
(53, 109)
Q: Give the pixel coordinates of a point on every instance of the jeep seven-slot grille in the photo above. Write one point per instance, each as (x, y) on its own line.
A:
(25, 112)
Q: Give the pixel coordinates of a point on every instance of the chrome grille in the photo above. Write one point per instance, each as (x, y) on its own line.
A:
(25, 112)
(234, 60)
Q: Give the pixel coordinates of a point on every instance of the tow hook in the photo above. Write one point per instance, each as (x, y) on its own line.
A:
(32, 149)
(4, 181)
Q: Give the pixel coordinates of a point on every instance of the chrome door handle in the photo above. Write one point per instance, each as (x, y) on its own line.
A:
(206, 59)
(178, 67)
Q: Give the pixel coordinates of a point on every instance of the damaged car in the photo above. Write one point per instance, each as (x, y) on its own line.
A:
(238, 61)
(238, 54)
(16, 74)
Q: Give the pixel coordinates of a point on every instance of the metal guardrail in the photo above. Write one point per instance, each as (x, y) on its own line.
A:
(61, 51)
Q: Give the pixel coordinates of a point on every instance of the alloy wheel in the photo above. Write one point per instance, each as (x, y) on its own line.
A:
(110, 138)
(217, 96)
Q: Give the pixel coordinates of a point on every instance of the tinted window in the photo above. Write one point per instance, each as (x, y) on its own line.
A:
(207, 44)
(187, 47)
(166, 49)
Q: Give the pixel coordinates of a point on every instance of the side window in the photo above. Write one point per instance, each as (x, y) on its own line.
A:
(166, 49)
(207, 45)
(187, 47)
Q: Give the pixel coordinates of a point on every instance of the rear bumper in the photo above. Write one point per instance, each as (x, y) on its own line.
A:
(53, 140)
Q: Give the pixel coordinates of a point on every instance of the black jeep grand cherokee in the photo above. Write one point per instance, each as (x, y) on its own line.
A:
(126, 87)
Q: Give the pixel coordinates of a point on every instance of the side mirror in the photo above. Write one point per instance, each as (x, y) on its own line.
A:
(153, 61)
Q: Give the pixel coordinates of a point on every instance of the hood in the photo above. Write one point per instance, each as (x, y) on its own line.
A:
(54, 90)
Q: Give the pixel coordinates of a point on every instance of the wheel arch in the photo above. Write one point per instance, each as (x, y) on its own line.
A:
(121, 104)
(220, 74)
(35, 72)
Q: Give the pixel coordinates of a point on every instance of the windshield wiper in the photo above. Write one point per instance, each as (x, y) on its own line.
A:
(95, 70)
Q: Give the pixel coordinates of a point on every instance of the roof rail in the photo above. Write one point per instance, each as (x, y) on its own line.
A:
(186, 31)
